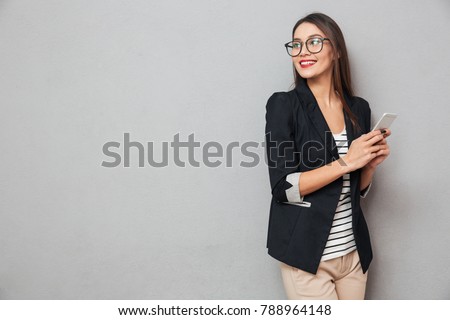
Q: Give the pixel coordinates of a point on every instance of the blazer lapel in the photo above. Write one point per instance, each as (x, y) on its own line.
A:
(348, 123)
(318, 120)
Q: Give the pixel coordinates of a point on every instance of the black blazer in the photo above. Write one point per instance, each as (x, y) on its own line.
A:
(298, 139)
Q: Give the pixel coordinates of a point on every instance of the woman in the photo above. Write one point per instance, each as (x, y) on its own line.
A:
(316, 227)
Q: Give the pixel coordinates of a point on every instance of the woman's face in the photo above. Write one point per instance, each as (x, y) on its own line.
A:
(313, 65)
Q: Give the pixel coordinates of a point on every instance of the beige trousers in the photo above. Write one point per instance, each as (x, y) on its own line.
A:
(339, 278)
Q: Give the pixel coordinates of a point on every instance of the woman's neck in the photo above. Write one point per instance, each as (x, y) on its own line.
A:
(324, 91)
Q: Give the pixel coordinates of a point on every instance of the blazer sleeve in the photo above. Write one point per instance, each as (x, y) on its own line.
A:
(367, 119)
(282, 157)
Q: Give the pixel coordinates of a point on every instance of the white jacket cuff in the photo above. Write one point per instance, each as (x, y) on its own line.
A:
(366, 191)
(293, 193)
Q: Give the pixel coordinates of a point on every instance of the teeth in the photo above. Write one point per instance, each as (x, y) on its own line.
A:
(307, 62)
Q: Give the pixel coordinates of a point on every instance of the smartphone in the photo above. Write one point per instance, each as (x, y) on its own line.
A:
(385, 121)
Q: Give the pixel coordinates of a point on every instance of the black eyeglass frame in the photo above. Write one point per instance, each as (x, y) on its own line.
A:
(286, 45)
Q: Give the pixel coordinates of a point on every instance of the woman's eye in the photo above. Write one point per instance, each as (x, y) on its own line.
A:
(314, 42)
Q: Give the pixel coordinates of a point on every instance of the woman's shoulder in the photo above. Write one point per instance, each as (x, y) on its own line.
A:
(280, 107)
(360, 104)
(283, 94)
(286, 99)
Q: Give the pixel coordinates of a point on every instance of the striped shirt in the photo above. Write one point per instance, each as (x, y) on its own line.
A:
(341, 240)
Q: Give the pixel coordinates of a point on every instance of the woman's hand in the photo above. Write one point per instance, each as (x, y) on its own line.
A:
(369, 149)
(382, 154)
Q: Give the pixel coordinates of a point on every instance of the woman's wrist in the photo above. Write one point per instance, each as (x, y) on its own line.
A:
(369, 168)
(367, 173)
(346, 164)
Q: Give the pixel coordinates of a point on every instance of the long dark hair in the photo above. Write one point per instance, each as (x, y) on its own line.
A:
(341, 68)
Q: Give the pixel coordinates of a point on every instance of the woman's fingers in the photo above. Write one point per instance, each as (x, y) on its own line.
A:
(379, 150)
(367, 147)
(377, 147)
(387, 133)
(384, 151)
(370, 135)
(375, 138)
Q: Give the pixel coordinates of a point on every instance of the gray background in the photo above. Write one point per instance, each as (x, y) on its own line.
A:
(77, 74)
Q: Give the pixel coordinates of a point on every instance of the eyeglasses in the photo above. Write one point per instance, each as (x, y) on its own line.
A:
(314, 45)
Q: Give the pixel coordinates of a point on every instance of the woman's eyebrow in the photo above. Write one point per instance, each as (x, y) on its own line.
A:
(313, 35)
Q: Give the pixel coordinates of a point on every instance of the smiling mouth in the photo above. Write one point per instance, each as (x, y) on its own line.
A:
(307, 63)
